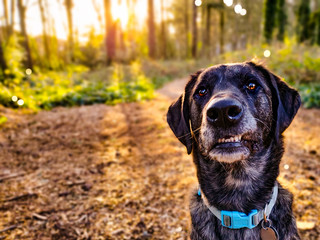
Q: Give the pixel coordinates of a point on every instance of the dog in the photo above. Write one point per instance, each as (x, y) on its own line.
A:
(231, 118)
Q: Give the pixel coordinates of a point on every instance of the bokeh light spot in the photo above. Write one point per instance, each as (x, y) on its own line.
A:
(243, 12)
(237, 8)
(228, 2)
(14, 98)
(20, 102)
(267, 53)
(198, 3)
(28, 71)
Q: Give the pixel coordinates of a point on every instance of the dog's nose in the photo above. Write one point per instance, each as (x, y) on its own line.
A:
(224, 112)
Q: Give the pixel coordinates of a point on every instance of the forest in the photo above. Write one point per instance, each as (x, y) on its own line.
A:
(85, 150)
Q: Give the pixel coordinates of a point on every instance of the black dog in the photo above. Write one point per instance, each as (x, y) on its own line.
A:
(231, 117)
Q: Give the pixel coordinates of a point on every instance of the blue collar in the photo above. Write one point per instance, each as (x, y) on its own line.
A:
(237, 220)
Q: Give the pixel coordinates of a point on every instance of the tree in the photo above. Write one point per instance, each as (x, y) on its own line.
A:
(281, 20)
(13, 4)
(3, 64)
(194, 31)
(303, 20)
(44, 31)
(110, 33)
(317, 27)
(69, 6)
(207, 31)
(151, 32)
(270, 8)
(186, 25)
(6, 17)
(221, 31)
(314, 26)
(22, 16)
(163, 37)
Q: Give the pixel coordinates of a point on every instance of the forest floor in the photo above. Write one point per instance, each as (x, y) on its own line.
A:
(118, 172)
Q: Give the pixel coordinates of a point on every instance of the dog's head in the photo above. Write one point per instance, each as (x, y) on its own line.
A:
(232, 111)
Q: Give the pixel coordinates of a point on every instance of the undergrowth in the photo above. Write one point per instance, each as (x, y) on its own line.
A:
(77, 87)
(299, 65)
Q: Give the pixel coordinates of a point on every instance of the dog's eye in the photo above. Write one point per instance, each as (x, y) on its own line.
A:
(251, 86)
(202, 92)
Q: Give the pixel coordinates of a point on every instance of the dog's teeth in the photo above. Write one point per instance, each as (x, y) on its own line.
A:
(231, 139)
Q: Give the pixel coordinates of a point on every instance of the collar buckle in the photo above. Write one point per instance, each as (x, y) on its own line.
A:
(236, 220)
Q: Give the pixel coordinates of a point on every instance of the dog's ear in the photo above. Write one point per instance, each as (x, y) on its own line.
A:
(178, 115)
(287, 100)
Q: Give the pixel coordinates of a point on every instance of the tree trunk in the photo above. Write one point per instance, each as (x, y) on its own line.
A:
(6, 17)
(69, 6)
(44, 31)
(270, 9)
(11, 28)
(221, 31)
(186, 26)
(3, 64)
(194, 31)
(22, 15)
(208, 32)
(110, 33)
(303, 21)
(282, 19)
(163, 36)
(151, 28)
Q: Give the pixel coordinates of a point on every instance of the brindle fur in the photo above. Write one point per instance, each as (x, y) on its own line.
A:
(242, 184)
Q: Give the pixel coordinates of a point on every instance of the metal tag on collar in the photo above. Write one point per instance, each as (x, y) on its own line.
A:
(268, 232)
(236, 220)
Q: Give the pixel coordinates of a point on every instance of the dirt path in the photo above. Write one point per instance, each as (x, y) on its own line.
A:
(101, 172)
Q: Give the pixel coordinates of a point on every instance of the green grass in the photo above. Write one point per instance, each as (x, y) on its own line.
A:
(299, 65)
(310, 94)
(78, 87)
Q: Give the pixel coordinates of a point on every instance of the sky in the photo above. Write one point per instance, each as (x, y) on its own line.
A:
(84, 15)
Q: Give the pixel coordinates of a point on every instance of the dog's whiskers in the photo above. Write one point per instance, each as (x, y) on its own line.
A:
(257, 119)
(190, 134)
(262, 123)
